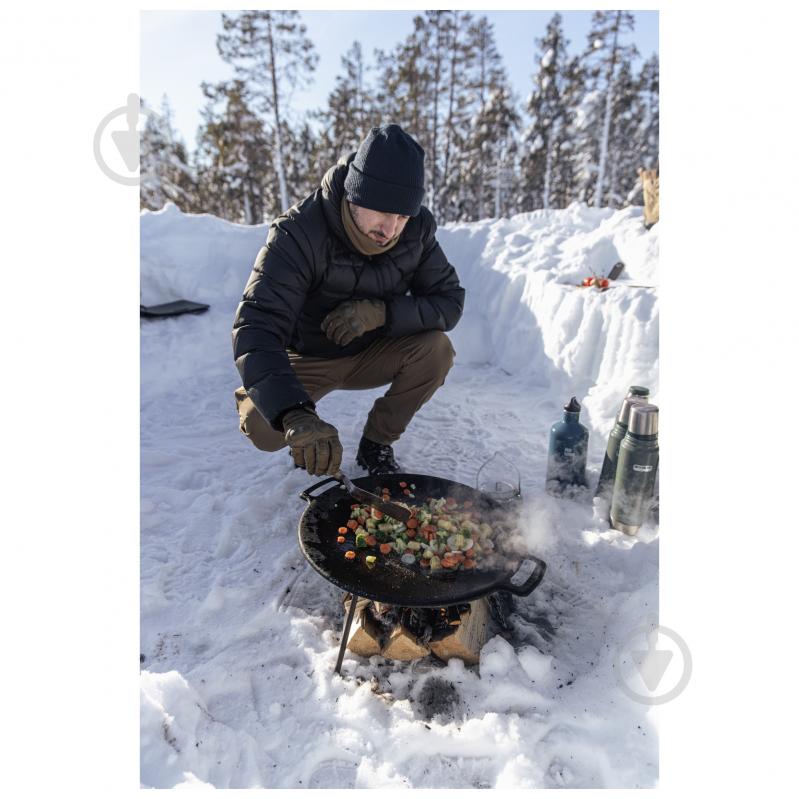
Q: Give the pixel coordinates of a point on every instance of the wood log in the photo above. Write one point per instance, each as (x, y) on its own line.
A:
(364, 637)
(650, 182)
(402, 645)
(468, 638)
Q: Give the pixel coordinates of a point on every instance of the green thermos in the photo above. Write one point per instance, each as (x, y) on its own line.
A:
(607, 476)
(636, 468)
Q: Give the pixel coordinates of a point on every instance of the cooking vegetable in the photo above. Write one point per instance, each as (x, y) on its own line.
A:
(441, 534)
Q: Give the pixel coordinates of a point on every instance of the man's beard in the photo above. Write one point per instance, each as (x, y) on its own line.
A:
(368, 233)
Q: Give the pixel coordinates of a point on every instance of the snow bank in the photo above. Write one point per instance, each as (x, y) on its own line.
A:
(239, 636)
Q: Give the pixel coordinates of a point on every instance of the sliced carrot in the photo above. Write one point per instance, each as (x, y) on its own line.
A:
(403, 485)
(341, 539)
(469, 553)
(350, 554)
(352, 524)
(469, 564)
(377, 514)
(385, 549)
(411, 523)
(371, 540)
(342, 529)
(411, 533)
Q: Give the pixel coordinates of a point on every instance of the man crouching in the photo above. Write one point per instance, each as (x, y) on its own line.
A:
(351, 291)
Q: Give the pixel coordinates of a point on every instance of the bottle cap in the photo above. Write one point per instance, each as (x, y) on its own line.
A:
(637, 391)
(626, 405)
(573, 406)
(644, 419)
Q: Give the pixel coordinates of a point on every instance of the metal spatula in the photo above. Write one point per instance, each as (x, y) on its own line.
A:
(388, 508)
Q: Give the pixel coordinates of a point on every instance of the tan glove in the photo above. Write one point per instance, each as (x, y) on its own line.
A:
(314, 444)
(352, 319)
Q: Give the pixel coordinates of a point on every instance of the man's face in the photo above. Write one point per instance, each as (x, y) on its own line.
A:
(378, 226)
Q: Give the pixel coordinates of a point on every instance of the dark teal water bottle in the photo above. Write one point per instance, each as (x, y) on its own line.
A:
(568, 448)
(637, 465)
(636, 394)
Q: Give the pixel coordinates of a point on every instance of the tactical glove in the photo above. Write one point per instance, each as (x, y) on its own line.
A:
(314, 444)
(352, 319)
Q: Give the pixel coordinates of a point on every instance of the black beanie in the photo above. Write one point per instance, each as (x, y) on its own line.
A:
(387, 173)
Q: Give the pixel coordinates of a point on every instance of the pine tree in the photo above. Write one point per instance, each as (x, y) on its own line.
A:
(497, 126)
(405, 92)
(622, 157)
(233, 155)
(272, 55)
(434, 84)
(349, 114)
(460, 98)
(646, 141)
(487, 76)
(565, 188)
(166, 175)
(547, 108)
(605, 51)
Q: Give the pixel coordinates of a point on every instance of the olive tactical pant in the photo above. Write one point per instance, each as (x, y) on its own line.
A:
(414, 366)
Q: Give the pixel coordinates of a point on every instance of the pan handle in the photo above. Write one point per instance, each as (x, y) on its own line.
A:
(530, 584)
(306, 495)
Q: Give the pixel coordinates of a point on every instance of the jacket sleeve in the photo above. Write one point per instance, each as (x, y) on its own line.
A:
(436, 297)
(265, 319)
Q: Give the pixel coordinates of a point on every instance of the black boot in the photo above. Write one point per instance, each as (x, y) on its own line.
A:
(376, 458)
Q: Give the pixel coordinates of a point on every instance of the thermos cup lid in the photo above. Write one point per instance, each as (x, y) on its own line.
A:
(626, 405)
(644, 419)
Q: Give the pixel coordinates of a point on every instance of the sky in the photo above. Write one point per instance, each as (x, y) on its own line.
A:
(178, 51)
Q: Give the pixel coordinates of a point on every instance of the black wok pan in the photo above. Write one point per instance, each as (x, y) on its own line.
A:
(391, 581)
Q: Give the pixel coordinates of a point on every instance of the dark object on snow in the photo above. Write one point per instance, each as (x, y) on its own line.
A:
(568, 449)
(500, 606)
(614, 273)
(175, 308)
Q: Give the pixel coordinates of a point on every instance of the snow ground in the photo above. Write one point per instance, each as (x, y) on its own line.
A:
(240, 636)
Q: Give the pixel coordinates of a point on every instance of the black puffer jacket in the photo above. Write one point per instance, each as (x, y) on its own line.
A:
(308, 267)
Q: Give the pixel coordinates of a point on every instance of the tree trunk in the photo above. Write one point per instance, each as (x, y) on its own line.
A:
(278, 143)
(603, 147)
